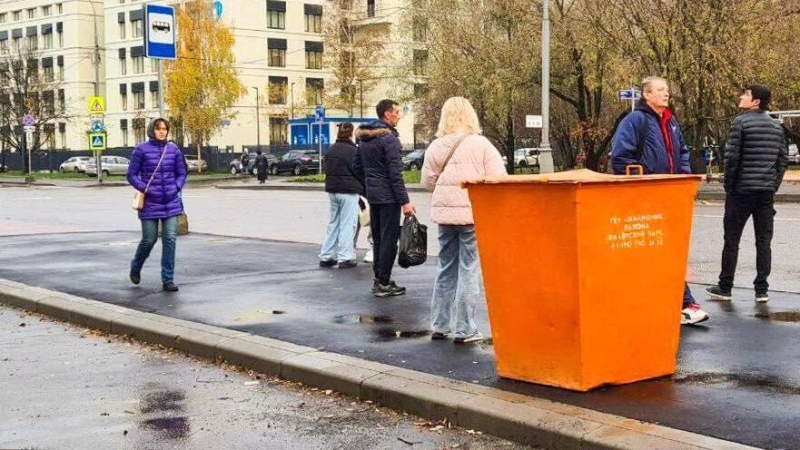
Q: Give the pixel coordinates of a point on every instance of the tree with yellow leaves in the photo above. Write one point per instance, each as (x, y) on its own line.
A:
(202, 84)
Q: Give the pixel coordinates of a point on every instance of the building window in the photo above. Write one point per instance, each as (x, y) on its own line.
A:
(154, 65)
(123, 128)
(60, 73)
(123, 66)
(314, 55)
(277, 52)
(47, 11)
(17, 15)
(138, 100)
(4, 47)
(3, 18)
(49, 75)
(122, 30)
(420, 61)
(32, 13)
(62, 131)
(138, 64)
(315, 88)
(278, 130)
(60, 39)
(50, 136)
(313, 17)
(420, 90)
(16, 45)
(123, 100)
(278, 90)
(276, 15)
(419, 28)
(139, 133)
(59, 8)
(155, 101)
(49, 102)
(33, 42)
(136, 28)
(370, 8)
(48, 41)
(62, 104)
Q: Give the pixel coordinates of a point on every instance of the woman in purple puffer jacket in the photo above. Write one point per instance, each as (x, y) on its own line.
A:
(162, 199)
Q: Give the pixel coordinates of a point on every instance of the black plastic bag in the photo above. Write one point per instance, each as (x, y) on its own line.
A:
(413, 243)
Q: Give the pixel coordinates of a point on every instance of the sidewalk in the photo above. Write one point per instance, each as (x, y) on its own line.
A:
(92, 182)
(267, 305)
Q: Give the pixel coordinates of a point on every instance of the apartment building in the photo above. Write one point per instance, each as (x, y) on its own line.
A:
(58, 36)
(279, 58)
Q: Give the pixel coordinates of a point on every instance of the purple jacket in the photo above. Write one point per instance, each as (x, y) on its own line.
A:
(162, 199)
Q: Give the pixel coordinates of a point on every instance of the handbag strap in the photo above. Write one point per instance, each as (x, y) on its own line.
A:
(453, 151)
(157, 167)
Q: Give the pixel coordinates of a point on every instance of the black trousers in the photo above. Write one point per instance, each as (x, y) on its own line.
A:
(385, 227)
(739, 208)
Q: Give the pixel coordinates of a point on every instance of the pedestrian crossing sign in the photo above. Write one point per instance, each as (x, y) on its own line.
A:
(97, 105)
(97, 141)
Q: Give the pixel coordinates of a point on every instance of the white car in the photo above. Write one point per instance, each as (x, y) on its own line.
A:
(794, 155)
(111, 165)
(75, 164)
(525, 157)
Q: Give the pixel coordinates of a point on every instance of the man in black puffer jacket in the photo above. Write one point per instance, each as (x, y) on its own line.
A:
(756, 158)
(380, 164)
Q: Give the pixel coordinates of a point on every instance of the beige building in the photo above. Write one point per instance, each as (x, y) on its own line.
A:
(279, 57)
(61, 35)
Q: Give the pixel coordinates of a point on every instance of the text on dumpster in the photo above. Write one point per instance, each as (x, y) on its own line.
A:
(636, 231)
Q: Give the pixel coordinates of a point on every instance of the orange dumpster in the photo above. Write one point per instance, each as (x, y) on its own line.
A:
(584, 274)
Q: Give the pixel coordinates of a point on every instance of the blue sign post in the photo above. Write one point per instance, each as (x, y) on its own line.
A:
(319, 115)
(159, 41)
(630, 95)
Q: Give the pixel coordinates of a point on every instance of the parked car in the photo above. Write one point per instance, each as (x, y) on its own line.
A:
(236, 165)
(191, 163)
(111, 165)
(414, 160)
(794, 155)
(75, 164)
(526, 157)
(296, 162)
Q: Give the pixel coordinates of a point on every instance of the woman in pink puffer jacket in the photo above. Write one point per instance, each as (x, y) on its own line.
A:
(459, 153)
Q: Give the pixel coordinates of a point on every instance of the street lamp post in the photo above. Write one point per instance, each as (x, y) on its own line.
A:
(258, 121)
(291, 101)
(361, 94)
(546, 153)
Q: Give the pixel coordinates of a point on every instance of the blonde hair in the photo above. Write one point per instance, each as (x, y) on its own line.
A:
(458, 115)
(647, 83)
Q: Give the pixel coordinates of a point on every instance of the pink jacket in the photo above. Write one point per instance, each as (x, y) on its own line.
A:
(475, 157)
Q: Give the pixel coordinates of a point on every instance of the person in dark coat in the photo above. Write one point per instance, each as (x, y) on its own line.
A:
(158, 170)
(380, 164)
(756, 157)
(262, 164)
(343, 189)
(651, 137)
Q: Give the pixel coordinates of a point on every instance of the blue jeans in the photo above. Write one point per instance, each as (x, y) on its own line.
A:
(168, 240)
(458, 281)
(339, 243)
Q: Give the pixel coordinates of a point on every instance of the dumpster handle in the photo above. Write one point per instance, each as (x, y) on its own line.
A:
(634, 166)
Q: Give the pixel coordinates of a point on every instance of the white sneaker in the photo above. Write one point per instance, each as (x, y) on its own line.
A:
(368, 256)
(693, 314)
(477, 337)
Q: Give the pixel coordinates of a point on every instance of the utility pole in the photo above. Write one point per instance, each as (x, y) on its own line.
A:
(96, 63)
(258, 121)
(160, 66)
(545, 150)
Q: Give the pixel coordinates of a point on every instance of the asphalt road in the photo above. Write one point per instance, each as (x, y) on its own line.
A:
(69, 388)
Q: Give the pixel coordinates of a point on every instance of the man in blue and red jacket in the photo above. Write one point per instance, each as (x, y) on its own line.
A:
(651, 137)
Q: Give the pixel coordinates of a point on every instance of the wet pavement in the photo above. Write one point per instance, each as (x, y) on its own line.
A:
(67, 387)
(739, 375)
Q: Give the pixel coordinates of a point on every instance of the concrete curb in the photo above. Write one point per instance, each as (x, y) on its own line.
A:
(524, 419)
(115, 183)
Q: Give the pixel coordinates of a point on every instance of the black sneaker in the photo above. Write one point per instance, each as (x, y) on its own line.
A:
(762, 297)
(717, 293)
(327, 263)
(347, 264)
(136, 277)
(438, 335)
(171, 287)
(375, 285)
(388, 290)
(401, 288)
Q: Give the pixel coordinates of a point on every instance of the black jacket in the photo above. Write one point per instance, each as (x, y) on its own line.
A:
(339, 176)
(756, 156)
(380, 164)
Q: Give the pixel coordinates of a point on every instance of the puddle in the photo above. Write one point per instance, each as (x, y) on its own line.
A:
(161, 401)
(746, 380)
(171, 428)
(257, 315)
(388, 334)
(361, 318)
(780, 316)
